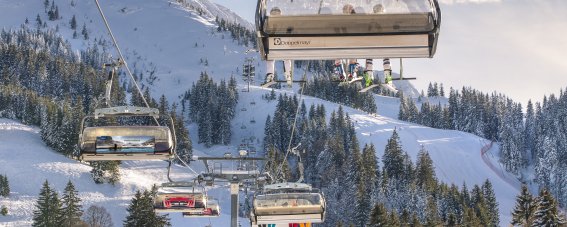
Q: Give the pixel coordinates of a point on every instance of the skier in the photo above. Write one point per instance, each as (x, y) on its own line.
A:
(379, 9)
(387, 72)
(270, 64)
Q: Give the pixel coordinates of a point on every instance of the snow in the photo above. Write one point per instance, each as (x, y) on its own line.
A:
(456, 155)
(155, 33)
(27, 162)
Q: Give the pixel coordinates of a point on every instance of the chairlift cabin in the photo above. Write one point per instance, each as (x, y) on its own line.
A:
(285, 203)
(180, 197)
(337, 29)
(125, 142)
(212, 211)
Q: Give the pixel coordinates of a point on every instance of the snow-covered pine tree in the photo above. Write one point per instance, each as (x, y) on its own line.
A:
(393, 158)
(379, 216)
(371, 172)
(546, 213)
(403, 113)
(425, 171)
(524, 211)
(3, 210)
(530, 130)
(430, 90)
(491, 204)
(141, 213)
(71, 210)
(184, 145)
(479, 205)
(85, 32)
(4, 186)
(48, 208)
(412, 111)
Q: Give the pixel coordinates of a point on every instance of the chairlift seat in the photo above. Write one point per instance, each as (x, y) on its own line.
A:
(212, 211)
(92, 149)
(179, 199)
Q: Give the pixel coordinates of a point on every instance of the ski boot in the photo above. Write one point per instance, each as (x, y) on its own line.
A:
(269, 80)
(368, 78)
(289, 78)
(387, 72)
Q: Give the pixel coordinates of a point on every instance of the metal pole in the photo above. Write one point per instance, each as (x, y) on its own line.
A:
(234, 203)
(249, 60)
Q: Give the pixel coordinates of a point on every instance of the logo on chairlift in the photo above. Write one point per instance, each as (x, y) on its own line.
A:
(279, 42)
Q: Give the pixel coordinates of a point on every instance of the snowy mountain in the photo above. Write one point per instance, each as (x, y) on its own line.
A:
(456, 155)
(173, 42)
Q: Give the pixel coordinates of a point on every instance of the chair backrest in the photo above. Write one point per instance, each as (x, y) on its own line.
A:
(161, 134)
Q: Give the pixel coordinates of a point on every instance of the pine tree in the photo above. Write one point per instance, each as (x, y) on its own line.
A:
(84, 32)
(491, 203)
(546, 213)
(523, 213)
(38, 21)
(425, 171)
(97, 172)
(393, 158)
(4, 186)
(71, 208)
(379, 216)
(4, 210)
(393, 219)
(48, 208)
(73, 23)
(141, 213)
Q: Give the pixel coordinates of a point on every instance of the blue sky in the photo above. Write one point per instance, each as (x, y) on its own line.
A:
(515, 47)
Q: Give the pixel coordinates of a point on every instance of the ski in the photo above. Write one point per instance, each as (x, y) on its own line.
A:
(389, 87)
(368, 88)
(267, 85)
(358, 78)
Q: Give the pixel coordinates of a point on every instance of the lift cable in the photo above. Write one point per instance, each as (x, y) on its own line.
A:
(294, 126)
(122, 59)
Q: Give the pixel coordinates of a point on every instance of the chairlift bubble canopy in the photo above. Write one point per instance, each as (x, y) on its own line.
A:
(125, 142)
(338, 29)
(288, 203)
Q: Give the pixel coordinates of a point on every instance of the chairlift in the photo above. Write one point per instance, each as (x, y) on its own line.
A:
(180, 197)
(212, 211)
(319, 30)
(284, 203)
(125, 142)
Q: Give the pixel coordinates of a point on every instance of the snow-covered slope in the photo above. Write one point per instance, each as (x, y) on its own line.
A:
(27, 162)
(162, 36)
(174, 40)
(456, 155)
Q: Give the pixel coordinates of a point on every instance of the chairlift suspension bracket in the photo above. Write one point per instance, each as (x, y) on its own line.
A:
(235, 178)
(114, 67)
